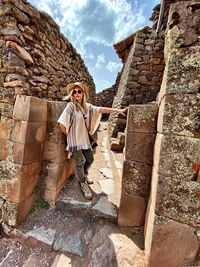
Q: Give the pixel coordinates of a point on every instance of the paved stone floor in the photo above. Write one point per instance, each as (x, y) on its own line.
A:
(79, 232)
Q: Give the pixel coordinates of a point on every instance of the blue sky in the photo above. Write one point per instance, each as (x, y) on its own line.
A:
(93, 26)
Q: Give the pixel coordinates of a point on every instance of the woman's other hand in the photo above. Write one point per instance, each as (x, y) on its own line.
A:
(123, 111)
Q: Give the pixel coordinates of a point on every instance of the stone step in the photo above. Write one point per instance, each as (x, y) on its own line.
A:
(61, 261)
(5, 259)
(102, 208)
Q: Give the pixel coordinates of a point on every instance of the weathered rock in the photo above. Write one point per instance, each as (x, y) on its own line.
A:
(9, 9)
(136, 178)
(54, 152)
(23, 54)
(18, 187)
(61, 261)
(110, 248)
(171, 159)
(136, 87)
(43, 235)
(142, 118)
(70, 243)
(107, 186)
(179, 114)
(16, 84)
(107, 172)
(139, 147)
(132, 210)
(174, 244)
(115, 145)
(14, 214)
(104, 208)
(177, 200)
(30, 109)
(69, 204)
(28, 132)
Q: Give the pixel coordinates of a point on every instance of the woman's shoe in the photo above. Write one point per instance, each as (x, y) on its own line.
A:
(89, 180)
(86, 190)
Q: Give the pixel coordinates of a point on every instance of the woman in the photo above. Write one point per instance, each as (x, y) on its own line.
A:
(77, 119)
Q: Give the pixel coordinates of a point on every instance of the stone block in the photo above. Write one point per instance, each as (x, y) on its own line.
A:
(50, 196)
(19, 182)
(55, 177)
(28, 132)
(182, 67)
(142, 118)
(16, 84)
(132, 210)
(54, 133)
(3, 149)
(136, 178)
(174, 156)
(10, 9)
(21, 52)
(14, 213)
(139, 147)
(179, 114)
(61, 260)
(3, 130)
(178, 200)
(57, 173)
(28, 108)
(27, 153)
(115, 145)
(66, 169)
(174, 244)
(7, 96)
(55, 108)
(54, 152)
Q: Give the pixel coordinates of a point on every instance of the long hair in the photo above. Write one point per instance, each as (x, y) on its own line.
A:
(77, 105)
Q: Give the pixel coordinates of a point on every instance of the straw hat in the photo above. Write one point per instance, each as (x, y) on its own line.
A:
(83, 86)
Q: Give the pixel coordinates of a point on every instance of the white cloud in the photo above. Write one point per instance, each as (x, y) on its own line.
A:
(87, 23)
(100, 61)
(113, 66)
(89, 55)
(99, 21)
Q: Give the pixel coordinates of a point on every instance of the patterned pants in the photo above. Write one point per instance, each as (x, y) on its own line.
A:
(83, 159)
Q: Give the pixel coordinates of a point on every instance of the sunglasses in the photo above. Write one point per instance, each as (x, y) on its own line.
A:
(77, 92)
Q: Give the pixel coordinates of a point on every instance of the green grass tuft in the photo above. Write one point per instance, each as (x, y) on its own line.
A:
(40, 204)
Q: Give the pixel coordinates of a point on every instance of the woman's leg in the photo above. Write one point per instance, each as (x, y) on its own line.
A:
(80, 163)
(89, 158)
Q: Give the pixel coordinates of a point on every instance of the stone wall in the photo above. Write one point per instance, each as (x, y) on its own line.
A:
(171, 173)
(174, 204)
(36, 59)
(105, 98)
(33, 159)
(166, 11)
(141, 77)
(137, 168)
(36, 62)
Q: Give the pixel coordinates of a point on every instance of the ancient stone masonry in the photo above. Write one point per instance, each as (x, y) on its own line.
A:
(142, 74)
(36, 62)
(37, 59)
(167, 4)
(170, 165)
(105, 98)
(174, 205)
(137, 169)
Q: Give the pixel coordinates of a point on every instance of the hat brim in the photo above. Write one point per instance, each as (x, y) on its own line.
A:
(71, 86)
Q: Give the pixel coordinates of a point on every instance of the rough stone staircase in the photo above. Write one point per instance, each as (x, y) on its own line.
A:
(78, 232)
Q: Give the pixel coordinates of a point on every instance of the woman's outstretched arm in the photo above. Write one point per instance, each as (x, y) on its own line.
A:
(122, 111)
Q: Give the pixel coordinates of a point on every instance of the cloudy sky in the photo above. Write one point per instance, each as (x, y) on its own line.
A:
(93, 26)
